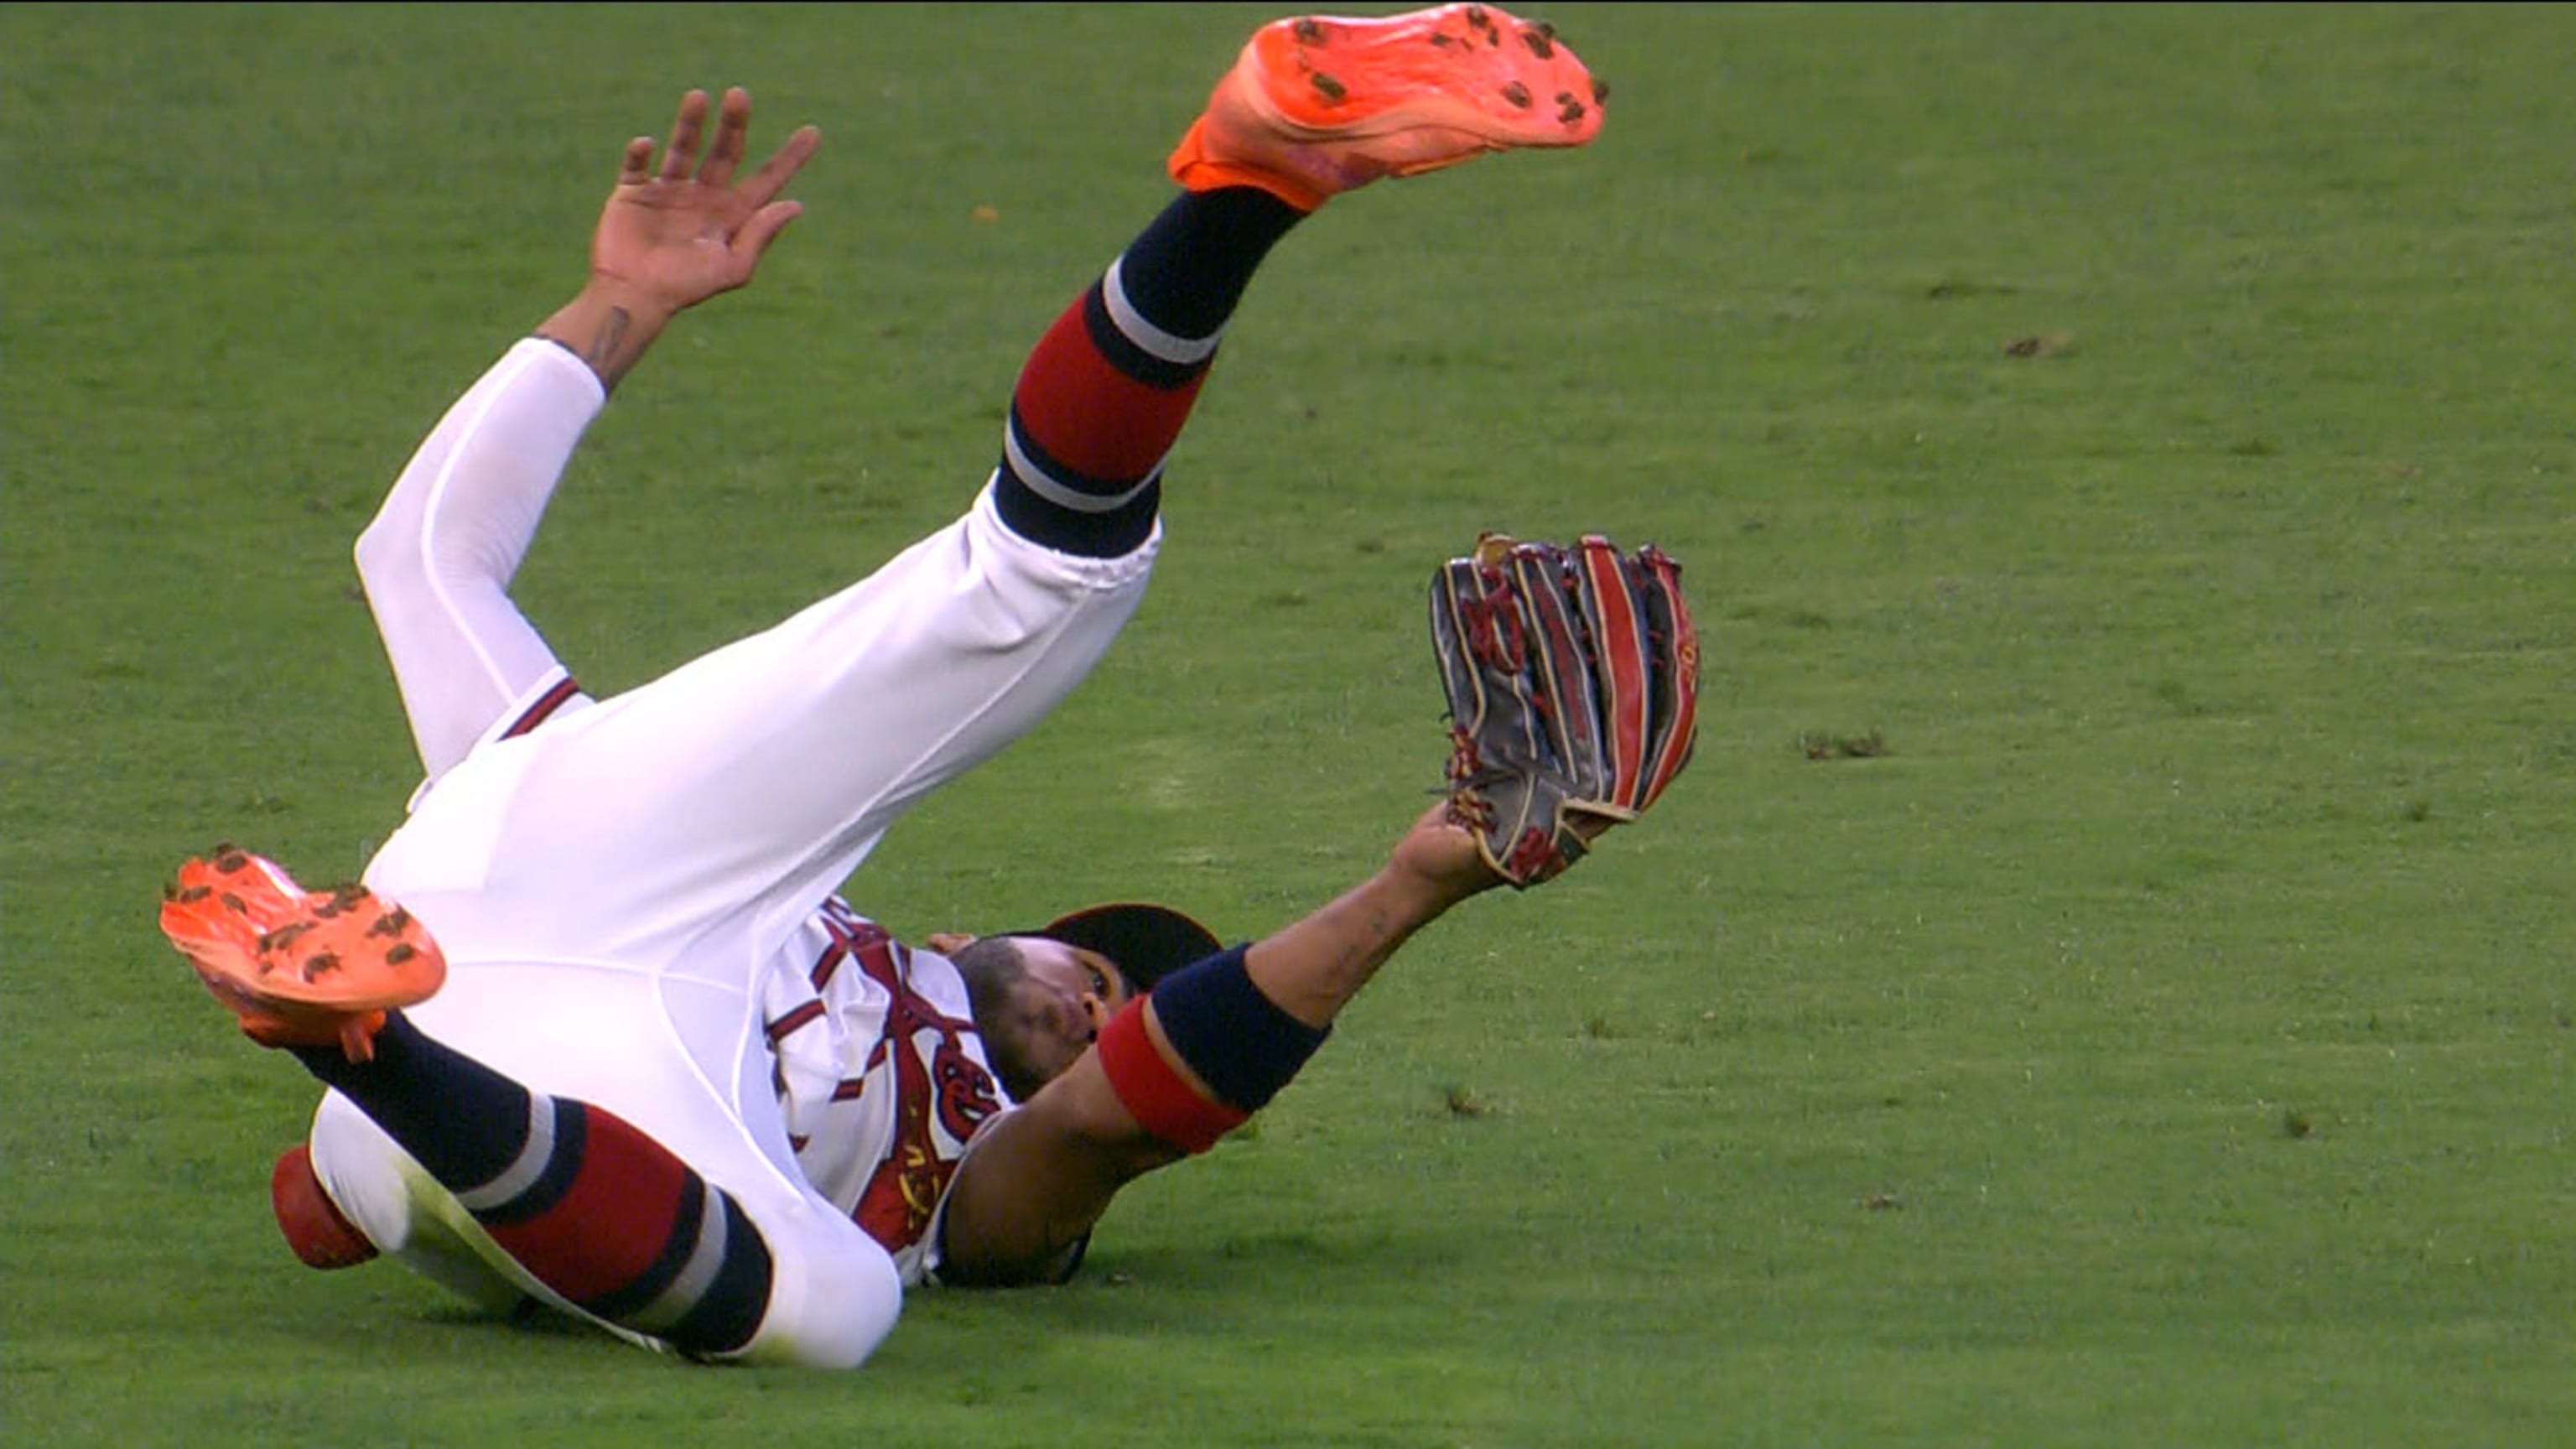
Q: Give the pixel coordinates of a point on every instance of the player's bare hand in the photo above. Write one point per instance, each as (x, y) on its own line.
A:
(1445, 856)
(678, 232)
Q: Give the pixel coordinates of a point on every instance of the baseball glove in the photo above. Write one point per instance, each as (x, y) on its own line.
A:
(1573, 682)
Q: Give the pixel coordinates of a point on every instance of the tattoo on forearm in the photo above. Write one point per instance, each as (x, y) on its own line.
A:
(604, 352)
(1367, 950)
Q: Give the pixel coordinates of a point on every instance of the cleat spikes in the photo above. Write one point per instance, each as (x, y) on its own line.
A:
(272, 940)
(298, 968)
(1388, 105)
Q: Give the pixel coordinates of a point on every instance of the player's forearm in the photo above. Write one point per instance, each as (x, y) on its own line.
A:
(608, 326)
(1314, 967)
(1147, 1097)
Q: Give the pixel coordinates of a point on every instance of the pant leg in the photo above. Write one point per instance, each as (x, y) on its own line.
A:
(693, 823)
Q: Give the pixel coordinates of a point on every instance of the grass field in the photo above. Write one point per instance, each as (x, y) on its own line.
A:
(2109, 977)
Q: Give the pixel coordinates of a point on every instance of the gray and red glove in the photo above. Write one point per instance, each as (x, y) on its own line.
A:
(1572, 676)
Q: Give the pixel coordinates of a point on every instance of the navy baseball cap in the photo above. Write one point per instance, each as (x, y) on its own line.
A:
(1147, 942)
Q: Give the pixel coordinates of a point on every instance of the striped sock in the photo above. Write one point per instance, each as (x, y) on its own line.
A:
(589, 1205)
(1109, 387)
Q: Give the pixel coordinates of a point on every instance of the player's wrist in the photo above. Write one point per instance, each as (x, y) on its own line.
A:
(642, 305)
(609, 325)
(1436, 867)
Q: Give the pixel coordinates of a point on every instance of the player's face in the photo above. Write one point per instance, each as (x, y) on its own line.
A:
(1062, 1001)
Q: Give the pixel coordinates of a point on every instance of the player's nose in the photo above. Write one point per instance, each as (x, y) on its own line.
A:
(1076, 1020)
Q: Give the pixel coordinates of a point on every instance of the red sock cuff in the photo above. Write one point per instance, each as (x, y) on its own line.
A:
(1154, 1092)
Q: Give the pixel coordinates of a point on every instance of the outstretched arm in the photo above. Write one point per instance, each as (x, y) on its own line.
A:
(673, 235)
(1028, 1194)
(438, 557)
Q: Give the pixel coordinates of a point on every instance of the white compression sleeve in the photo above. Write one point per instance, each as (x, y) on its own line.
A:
(438, 558)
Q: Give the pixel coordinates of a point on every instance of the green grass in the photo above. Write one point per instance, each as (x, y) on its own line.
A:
(2162, 1035)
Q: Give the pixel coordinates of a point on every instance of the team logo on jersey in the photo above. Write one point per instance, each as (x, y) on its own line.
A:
(942, 1096)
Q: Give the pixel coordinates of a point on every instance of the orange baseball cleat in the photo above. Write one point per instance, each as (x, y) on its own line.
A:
(299, 968)
(1320, 104)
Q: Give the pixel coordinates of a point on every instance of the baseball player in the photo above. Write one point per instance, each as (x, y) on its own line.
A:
(596, 1030)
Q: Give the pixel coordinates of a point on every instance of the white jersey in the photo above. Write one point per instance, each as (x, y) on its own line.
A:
(882, 1076)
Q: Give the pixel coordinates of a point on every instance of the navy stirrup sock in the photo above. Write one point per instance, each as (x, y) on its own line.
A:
(1189, 267)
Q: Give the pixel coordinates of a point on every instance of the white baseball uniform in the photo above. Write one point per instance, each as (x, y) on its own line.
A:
(636, 894)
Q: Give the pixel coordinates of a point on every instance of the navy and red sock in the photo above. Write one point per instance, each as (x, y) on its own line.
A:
(588, 1204)
(1107, 390)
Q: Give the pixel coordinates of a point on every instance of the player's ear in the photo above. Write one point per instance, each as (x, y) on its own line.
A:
(948, 943)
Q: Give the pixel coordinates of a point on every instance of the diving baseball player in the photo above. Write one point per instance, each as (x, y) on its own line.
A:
(596, 1029)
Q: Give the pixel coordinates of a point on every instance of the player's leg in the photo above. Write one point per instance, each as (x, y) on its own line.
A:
(680, 1239)
(776, 763)
(1312, 108)
(751, 781)
(580, 1147)
(683, 1238)
(438, 557)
